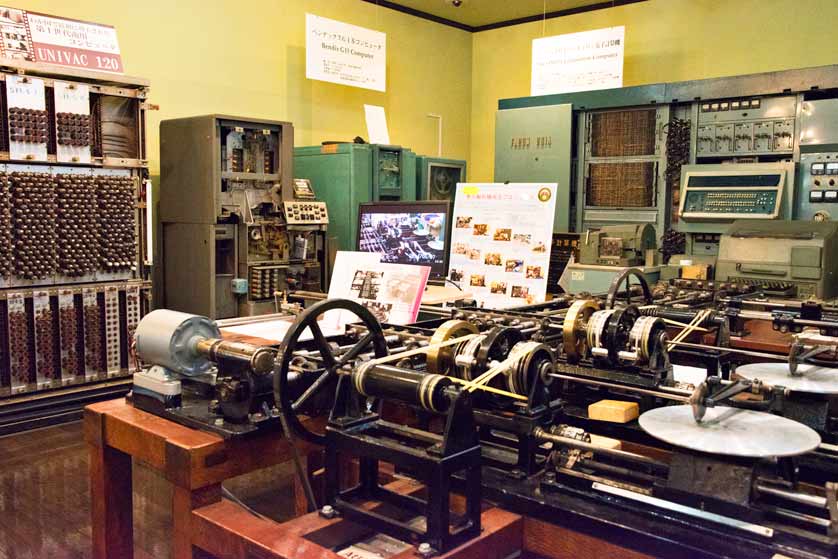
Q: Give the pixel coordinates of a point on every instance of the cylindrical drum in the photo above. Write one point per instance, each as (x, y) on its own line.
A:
(412, 387)
(169, 339)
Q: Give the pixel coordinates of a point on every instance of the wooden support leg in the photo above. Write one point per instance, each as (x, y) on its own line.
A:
(111, 502)
(184, 501)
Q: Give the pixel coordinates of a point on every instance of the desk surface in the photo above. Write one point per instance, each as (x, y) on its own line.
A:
(438, 294)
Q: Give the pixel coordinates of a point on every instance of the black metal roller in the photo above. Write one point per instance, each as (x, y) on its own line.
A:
(618, 330)
(290, 401)
(496, 346)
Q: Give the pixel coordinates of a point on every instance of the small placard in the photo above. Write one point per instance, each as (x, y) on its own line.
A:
(60, 41)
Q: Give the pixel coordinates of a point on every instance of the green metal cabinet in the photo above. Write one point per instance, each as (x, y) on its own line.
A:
(346, 175)
(437, 178)
(534, 145)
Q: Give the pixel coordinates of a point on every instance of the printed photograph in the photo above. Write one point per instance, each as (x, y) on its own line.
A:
(477, 280)
(534, 272)
(460, 248)
(492, 259)
(539, 247)
(481, 229)
(366, 284)
(498, 287)
(379, 310)
(473, 254)
(456, 275)
(502, 235)
(464, 222)
(515, 266)
(523, 238)
(401, 287)
(520, 291)
(14, 34)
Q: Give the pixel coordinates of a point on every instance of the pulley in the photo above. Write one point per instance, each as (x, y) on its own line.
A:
(440, 360)
(574, 330)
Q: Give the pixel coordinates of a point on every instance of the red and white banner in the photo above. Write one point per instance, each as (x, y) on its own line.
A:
(60, 41)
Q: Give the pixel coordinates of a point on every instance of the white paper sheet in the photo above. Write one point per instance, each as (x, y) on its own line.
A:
(376, 125)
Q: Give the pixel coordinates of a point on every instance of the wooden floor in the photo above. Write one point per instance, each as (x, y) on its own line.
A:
(45, 502)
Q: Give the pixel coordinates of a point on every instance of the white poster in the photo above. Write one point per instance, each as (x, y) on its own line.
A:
(500, 241)
(341, 53)
(391, 292)
(578, 61)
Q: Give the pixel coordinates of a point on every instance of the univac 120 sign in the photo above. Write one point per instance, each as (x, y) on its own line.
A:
(55, 40)
(346, 54)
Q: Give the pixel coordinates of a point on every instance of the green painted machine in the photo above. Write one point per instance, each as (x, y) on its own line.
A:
(437, 178)
(604, 254)
(346, 175)
(533, 144)
(796, 256)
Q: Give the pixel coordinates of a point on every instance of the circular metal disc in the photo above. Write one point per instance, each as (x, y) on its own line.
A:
(730, 431)
(813, 379)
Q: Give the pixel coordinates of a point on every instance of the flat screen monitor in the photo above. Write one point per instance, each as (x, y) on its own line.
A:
(407, 233)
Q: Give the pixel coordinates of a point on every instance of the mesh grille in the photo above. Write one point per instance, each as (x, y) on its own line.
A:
(96, 125)
(4, 122)
(621, 185)
(623, 133)
(51, 134)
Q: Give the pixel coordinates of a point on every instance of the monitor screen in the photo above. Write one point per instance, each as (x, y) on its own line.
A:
(406, 233)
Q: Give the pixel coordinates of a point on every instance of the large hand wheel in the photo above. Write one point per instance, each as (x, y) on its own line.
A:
(625, 278)
(290, 401)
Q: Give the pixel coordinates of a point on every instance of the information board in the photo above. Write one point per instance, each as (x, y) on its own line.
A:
(582, 61)
(500, 241)
(346, 54)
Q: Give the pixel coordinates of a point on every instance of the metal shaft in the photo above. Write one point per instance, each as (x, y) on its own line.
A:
(638, 390)
(260, 359)
(544, 436)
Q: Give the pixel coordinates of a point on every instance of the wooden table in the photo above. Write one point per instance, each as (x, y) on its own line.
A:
(194, 462)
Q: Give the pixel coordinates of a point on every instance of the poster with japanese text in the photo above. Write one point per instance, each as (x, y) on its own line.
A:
(500, 242)
(391, 292)
(60, 41)
(346, 54)
(582, 61)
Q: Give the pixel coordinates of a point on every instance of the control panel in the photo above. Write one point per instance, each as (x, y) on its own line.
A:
(748, 126)
(731, 194)
(819, 186)
(760, 202)
(309, 212)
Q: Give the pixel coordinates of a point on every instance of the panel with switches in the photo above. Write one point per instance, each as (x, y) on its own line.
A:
(819, 183)
(746, 126)
(734, 194)
(309, 212)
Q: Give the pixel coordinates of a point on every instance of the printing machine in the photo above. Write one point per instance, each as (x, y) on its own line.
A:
(740, 465)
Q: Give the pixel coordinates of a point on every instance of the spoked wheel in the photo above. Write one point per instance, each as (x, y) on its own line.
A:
(291, 398)
(625, 279)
